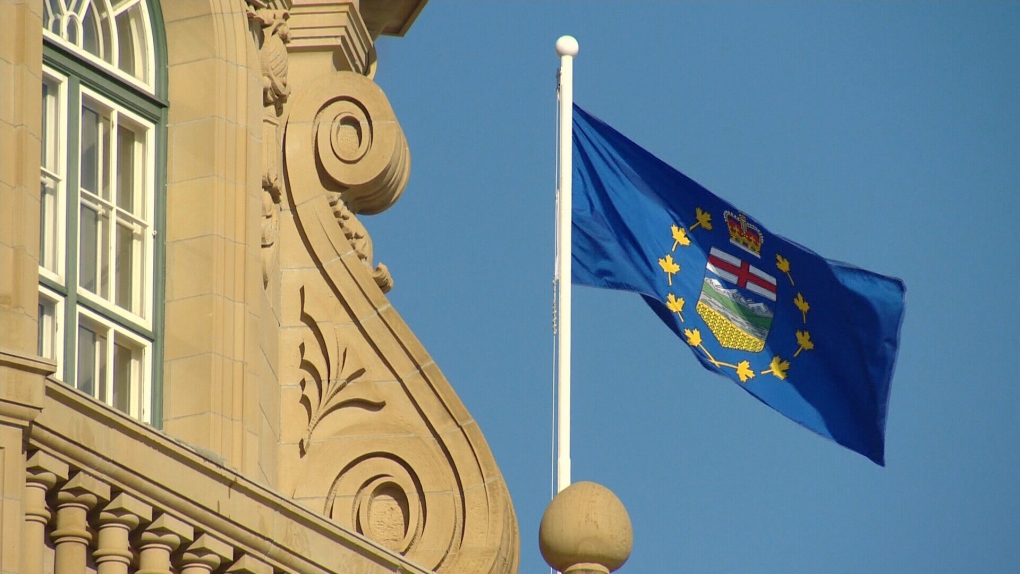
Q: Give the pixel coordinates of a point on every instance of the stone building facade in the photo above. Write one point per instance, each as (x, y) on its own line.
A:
(199, 368)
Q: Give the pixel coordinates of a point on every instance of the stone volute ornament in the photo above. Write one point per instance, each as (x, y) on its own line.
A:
(373, 435)
(362, 157)
(585, 530)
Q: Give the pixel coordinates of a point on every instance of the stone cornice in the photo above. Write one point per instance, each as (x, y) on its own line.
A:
(21, 386)
(391, 17)
(333, 27)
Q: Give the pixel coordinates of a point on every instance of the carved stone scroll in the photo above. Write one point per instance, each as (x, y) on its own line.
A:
(383, 445)
(361, 156)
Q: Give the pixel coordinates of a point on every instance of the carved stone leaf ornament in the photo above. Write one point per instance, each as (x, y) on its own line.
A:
(330, 367)
(273, 34)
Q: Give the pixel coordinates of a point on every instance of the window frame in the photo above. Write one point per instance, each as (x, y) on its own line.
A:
(150, 81)
(141, 404)
(143, 318)
(59, 134)
(82, 75)
(54, 348)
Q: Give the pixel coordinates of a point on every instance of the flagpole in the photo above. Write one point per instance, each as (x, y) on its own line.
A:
(566, 48)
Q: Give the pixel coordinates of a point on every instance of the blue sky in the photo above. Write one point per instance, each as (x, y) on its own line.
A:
(884, 135)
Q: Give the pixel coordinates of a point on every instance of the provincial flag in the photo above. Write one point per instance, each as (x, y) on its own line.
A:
(812, 338)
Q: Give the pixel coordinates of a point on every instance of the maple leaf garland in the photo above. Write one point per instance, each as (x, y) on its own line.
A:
(777, 366)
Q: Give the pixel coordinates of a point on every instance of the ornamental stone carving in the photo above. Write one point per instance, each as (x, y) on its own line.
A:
(361, 155)
(372, 434)
(272, 33)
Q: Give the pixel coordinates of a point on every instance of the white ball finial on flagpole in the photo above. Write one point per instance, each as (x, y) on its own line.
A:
(566, 46)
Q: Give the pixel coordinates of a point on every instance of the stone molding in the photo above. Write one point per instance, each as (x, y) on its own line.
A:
(22, 380)
(333, 27)
(194, 494)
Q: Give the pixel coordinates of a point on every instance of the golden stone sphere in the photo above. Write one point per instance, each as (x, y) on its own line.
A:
(585, 525)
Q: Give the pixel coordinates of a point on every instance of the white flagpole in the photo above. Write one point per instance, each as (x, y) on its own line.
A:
(566, 48)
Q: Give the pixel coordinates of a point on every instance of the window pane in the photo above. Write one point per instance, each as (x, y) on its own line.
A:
(49, 212)
(125, 267)
(72, 30)
(101, 377)
(126, 37)
(47, 95)
(91, 29)
(126, 169)
(51, 134)
(48, 225)
(88, 249)
(87, 358)
(93, 251)
(90, 150)
(104, 156)
(48, 330)
(42, 330)
(51, 20)
(123, 373)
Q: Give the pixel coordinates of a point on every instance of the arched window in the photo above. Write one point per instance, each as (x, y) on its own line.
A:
(101, 207)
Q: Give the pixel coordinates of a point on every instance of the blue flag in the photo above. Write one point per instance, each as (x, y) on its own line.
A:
(812, 338)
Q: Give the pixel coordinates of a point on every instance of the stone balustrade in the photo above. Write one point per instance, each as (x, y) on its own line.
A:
(104, 493)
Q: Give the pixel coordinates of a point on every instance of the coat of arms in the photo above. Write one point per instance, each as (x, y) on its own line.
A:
(737, 299)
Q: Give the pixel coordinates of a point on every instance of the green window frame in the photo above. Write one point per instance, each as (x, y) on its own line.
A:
(103, 202)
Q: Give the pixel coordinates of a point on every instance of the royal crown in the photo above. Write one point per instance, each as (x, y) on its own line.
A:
(743, 234)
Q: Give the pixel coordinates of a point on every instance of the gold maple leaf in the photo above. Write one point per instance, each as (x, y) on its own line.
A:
(693, 337)
(676, 305)
(744, 371)
(679, 237)
(802, 304)
(777, 368)
(804, 340)
(670, 267)
(783, 265)
(704, 219)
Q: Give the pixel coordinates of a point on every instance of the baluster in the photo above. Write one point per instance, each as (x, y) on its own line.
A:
(43, 473)
(205, 554)
(162, 537)
(71, 538)
(118, 518)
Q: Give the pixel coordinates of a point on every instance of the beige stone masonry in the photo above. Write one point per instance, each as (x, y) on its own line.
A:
(20, 125)
(213, 304)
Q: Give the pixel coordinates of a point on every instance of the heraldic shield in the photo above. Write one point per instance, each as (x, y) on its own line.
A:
(737, 299)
